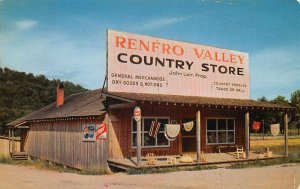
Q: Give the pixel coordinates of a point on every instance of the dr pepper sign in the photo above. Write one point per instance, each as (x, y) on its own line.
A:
(137, 114)
(144, 64)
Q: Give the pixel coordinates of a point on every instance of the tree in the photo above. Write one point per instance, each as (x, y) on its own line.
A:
(23, 93)
(295, 102)
(262, 99)
(278, 117)
(262, 116)
(280, 100)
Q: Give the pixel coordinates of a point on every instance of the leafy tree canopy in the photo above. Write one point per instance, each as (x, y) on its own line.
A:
(22, 93)
(295, 102)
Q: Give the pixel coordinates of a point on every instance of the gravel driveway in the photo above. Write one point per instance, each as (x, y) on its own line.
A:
(12, 176)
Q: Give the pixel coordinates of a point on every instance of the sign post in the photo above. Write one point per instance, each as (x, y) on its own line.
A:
(137, 117)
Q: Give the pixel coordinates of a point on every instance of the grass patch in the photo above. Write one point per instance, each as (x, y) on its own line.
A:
(42, 164)
(263, 163)
(149, 170)
(277, 146)
(95, 171)
(5, 159)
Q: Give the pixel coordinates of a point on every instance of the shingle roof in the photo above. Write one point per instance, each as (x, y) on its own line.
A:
(194, 100)
(90, 103)
(82, 104)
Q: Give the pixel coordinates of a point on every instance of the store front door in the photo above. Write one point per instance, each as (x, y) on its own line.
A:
(189, 137)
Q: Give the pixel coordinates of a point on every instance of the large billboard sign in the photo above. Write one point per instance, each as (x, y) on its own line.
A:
(144, 64)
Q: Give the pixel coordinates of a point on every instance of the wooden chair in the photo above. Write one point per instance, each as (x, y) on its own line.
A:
(239, 150)
(171, 160)
(151, 159)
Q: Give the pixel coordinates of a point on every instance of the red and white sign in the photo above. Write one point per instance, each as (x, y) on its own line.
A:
(101, 131)
(143, 64)
(137, 114)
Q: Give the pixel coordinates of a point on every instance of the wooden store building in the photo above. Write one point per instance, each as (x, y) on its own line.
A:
(187, 104)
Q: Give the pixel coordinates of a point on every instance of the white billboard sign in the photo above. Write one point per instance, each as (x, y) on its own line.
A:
(144, 64)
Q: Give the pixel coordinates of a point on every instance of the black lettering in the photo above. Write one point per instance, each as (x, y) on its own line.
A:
(224, 70)
(240, 71)
(170, 62)
(179, 63)
(119, 57)
(132, 57)
(189, 64)
(214, 66)
(161, 62)
(148, 63)
(204, 67)
(231, 70)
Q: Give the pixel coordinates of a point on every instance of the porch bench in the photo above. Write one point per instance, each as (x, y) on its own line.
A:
(223, 147)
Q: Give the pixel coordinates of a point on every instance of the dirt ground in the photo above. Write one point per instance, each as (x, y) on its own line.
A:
(12, 176)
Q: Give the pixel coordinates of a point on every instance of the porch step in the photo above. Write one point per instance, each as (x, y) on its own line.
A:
(117, 165)
(19, 156)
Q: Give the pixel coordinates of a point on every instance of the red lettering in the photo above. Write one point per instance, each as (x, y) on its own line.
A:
(224, 57)
(145, 46)
(216, 57)
(241, 58)
(166, 48)
(131, 43)
(155, 46)
(199, 55)
(207, 55)
(232, 58)
(180, 52)
(120, 42)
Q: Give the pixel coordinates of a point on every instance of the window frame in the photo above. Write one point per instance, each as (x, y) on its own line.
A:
(143, 132)
(217, 130)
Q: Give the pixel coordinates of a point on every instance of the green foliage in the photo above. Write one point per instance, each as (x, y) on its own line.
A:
(23, 93)
(263, 163)
(271, 118)
(266, 117)
(280, 100)
(295, 102)
(42, 164)
(263, 99)
(154, 170)
(95, 171)
(5, 159)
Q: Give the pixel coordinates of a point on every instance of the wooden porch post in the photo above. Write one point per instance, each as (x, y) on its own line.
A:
(285, 121)
(9, 140)
(13, 141)
(137, 115)
(247, 134)
(139, 141)
(198, 135)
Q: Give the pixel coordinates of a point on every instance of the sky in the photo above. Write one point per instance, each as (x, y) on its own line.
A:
(66, 39)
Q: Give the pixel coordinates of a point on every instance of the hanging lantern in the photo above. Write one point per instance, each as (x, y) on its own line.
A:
(256, 126)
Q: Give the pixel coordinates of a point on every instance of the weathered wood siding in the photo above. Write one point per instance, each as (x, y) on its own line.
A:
(4, 146)
(120, 128)
(61, 142)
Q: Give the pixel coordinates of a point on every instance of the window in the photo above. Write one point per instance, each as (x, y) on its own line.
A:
(220, 131)
(147, 141)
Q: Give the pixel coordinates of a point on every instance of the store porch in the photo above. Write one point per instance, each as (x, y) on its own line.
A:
(174, 160)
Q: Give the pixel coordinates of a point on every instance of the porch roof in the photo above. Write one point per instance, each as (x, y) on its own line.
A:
(196, 101)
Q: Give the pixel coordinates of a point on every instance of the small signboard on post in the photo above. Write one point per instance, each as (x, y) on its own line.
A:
(137, 114)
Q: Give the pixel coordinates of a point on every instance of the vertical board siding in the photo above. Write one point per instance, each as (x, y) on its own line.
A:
(61, 142)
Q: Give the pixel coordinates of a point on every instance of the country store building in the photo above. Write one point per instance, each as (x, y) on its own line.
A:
(165, 103)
